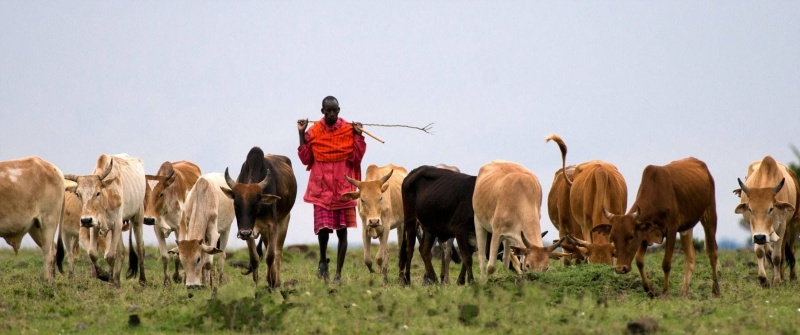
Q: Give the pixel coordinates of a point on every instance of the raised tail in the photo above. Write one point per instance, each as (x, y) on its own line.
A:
(563, 147)
(133, 258)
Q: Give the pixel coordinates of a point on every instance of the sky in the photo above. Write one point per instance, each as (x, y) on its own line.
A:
(631, 83)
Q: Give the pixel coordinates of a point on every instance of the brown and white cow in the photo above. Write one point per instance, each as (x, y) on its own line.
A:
(507, 202)
(164, 200)
(31, 202)
(112, 194)
(671, 200)
(380, 206)
(208, 217)
(769, 203)
(72, 234)
(595, 185)
(263, 197)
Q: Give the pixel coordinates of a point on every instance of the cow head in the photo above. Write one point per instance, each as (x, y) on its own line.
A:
(246, 200)
(371, 204)
(193, 255)
(95, 196)
(594, 253)
(157, 202)
(762, 210)
(628, 234)
(538, 258)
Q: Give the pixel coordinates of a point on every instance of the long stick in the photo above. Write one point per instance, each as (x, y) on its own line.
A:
(363, 131)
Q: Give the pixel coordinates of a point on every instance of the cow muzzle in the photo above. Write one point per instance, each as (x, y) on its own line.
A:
(760, 239)
(149, 220)
(245, 234)
(194, 286)
(87, 222)
(374, 223)
(622, 269)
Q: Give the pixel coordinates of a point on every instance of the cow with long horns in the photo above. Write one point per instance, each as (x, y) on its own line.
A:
(263, 196)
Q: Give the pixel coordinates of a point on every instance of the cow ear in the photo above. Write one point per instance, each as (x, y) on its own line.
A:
(740, 209)
(602, 229)
(70, 186)
(352, 195)
(173, 251)
(384, 187)
(228, 192)
(584, 252)
(109, 181)
(517, 251)
(269, 199)
(784, 206)
(652, 234)
(210, 250)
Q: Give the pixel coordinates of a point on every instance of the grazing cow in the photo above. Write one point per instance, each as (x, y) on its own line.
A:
(507, 203)
(381, 210)
(594, 253)
(671, 199)
(164, 200)
(72, 233)
(112, 194)
(769, 203)
(595, 185)
(208, 217)
(263, 197)
(440, 201)
(31, 202)
(560, 214)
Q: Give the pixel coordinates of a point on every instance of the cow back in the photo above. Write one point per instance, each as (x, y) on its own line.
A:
(225, 212)
(441, 200)
(597, 185)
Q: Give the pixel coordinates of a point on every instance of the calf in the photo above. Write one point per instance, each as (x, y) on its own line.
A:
(671, 199)
(769, 202)
(381, 210)
(207, 219)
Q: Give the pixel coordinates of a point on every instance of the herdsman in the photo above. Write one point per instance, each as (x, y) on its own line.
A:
(331, 149)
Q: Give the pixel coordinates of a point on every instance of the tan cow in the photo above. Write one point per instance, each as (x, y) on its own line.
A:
(381, 210)
(112, 194)
(769, 203)
(207, 218)
(596, 185)
(507, 202)
(164, 200)
(31, 202)
(72, 234)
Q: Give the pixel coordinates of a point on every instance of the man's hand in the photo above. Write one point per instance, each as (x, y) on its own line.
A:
(302, 124)
(357, 128)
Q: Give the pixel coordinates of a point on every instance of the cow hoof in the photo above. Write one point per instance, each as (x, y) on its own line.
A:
(176, 278)
(167, 283)
(369, 266)
(763, 281)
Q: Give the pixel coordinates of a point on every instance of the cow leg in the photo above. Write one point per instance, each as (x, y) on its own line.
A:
(283, 228)
(383, 253)
(688, 251)
(514, 259)
(341, 253)
(254, 259)
(407, 249)
(464, 247)
(137, 223)
(447, 256)
(367, 252)
(761, 255)
(40, 236)
(777, 262)
(648, 288)
(425, 254)
(493, 248)
(480, 240)
(91, 250)
(112, 249)
(163, 251)
(666, 264)
(223, 244)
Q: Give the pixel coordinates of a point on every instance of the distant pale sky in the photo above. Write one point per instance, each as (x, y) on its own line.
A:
(628, 82)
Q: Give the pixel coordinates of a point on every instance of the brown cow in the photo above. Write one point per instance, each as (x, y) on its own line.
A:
(560, 214)
(671, 199)
(596, 185)
(381, 210)
(72, 234)
(112, 194)
(594, 253)
(31, 202)
(164, 200)
(769, 203)
(507, 203)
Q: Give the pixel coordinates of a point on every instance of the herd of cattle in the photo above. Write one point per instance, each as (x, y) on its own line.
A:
(502, 204)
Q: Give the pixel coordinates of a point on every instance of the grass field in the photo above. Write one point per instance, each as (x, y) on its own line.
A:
(587, 299)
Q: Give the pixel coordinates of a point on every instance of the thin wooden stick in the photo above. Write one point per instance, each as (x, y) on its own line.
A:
(426, 128)
(363, 131)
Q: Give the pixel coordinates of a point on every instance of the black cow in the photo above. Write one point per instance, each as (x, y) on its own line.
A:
(263, 197)
(441, 201)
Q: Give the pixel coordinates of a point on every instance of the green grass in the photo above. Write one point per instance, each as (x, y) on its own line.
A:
(565, 300)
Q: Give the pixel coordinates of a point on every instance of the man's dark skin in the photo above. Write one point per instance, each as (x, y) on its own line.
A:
(330, 108)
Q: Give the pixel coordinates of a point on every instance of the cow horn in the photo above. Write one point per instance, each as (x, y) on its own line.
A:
(744, 188)
(263, 184)
(779, 186)
(107, 170)
(386, 177)
(355, 183)
(576, 241)
(71, 177)
(607, 213)
(636, 213)
(556, 245)
(228, 179)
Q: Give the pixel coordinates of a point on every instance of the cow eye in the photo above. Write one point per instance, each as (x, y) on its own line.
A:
(161, 195)
(77, 194)
(750, 210)
(97, 195)
(770, 210)
(198, 260)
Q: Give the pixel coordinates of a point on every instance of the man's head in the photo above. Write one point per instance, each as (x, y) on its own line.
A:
(330, 108)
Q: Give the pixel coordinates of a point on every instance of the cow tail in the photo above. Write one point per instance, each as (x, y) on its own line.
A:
(133, 262)
(60, 250)
(563, 147)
